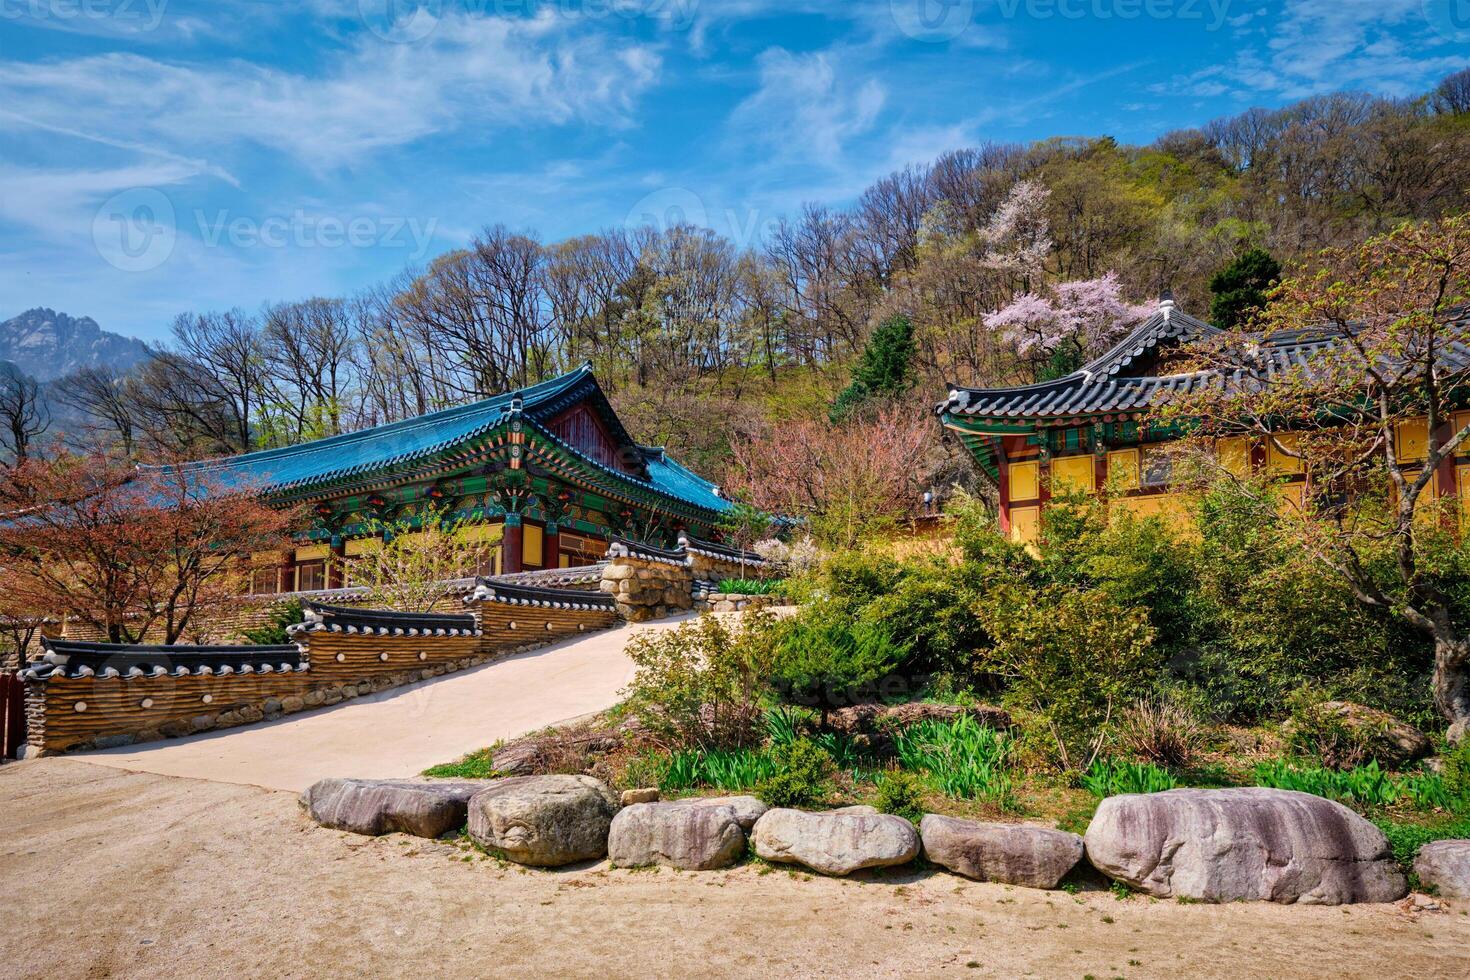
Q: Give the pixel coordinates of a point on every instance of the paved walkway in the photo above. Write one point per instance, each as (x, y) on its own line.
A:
(402, 731)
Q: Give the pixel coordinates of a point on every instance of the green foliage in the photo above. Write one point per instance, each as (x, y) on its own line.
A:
(751, 586)
(825, 660)
(476, 765)
(1406, 838)
(802, 774)
(901, 793)
(1071, 658)
(728, 769)
(960, 758)
(700, 686)
(1365, 785)
(1111, 777)
(274, 632)
(744, 524)
(885, 369)
(1239, 290)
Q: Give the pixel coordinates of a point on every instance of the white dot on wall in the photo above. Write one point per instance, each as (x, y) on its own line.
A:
(146, 703)
(341, 658)
(382, 656)
(511, 624)
(423, 655)
(80, 706)
(548, 627)
(208, 699)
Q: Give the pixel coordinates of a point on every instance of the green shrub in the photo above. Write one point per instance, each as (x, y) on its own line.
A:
(801, 774)
(827, 661)
(1113, 777)
(1072, 658)
(1456, 771)
(274, 633)
(700, 686)
(901, 793)
(961, 758)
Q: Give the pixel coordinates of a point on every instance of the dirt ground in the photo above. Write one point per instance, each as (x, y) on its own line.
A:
(111, 873)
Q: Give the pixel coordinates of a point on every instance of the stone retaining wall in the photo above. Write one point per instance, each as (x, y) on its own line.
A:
(728, 602)
(648, 589)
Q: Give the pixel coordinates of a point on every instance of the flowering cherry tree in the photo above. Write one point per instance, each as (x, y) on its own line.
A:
(1079, 319)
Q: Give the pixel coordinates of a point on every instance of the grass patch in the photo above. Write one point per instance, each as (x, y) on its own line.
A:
(477, 765)
(960, 758)
(1111, 777)
(751, 586)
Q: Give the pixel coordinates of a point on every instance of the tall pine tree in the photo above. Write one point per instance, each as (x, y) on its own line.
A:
(885, 370)
(1240, 288)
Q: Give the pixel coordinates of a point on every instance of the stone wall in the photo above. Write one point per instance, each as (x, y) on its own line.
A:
(648, 588)
(728, 602)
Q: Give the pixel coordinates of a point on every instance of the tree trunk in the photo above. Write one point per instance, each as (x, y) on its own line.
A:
(1452, 684)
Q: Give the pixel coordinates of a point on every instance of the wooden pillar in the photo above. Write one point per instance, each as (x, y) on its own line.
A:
(335, 567)
(1003, 467)
(551, 546)
(510, 545)
(1444, 476)
(286, 577)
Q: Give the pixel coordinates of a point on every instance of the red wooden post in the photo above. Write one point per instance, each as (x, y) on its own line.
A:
(1003, 467)
(511, 545)
(551, 547)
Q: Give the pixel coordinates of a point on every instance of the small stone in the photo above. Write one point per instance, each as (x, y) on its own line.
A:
(696, 838)
(633, 796)
(543, 820)
(1445, 865)
(291, 705)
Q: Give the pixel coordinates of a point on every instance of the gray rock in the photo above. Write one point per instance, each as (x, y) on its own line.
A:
(1013, 854)
(1223, 845)
(1445, 865)
(696, 838)
(113, 741)
(835, 843)
(543, 820)
(424, 808)
(747, 809)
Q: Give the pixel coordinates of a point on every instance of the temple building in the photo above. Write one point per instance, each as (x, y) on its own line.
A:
(1089, 431)
(550, 464)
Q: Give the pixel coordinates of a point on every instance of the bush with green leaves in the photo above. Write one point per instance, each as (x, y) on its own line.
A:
(700, 686)
(901, 794)
(274, 633)
(825, 660)
(751, 586)
(801, 774)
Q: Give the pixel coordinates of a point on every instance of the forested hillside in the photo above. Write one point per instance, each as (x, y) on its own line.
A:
(700, 342)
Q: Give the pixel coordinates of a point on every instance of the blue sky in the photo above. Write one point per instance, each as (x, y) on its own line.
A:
(158, 156)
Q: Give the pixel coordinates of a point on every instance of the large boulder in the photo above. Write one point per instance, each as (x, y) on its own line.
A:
(696, 838)
(423, 808)
(1224, 845)
(747, 809)
(1445, 865)
(1013, 854)
(835, 843)
(543, 820)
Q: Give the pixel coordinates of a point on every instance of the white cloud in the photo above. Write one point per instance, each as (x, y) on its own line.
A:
(805, 109)
(483, 71)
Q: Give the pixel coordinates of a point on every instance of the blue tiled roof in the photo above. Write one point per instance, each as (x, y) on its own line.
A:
(369, 450)
(665, 473)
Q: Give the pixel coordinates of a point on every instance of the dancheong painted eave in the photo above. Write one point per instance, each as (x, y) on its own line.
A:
(393, 451)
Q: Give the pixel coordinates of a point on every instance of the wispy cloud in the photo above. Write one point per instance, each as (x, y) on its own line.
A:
(806, 108)
(486, 71)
